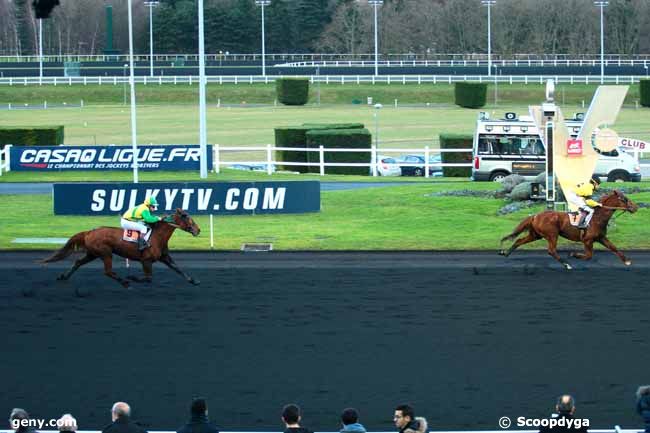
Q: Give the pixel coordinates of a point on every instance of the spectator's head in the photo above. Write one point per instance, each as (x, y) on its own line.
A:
(120, 410)
(291, 414)
(565, 405)
(67, 423)
(349, 416)
(199, 407)
(644, 390)
(404, 414)
(16, 416)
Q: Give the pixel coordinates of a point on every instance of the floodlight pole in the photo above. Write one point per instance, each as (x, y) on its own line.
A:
(263, 4)
(202, 111)
(151, 5)
(602, 4)
(40, 47)
(134, 144)
(489, 4)
(376, 4)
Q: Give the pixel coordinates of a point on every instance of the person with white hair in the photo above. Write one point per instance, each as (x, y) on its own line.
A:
(67, 424)
(121, 416)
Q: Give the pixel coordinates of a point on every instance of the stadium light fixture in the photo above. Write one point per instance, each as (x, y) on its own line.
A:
(489, 4)
(376, 4)
(602, 4)
(40, 47)
(202, 110)
(263, 4)
(151, 4)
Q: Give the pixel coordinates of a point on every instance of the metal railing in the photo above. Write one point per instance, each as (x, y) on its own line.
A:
(269, 162)
(325, 79)
(468, 63)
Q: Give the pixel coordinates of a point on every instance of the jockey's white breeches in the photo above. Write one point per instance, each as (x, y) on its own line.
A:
(579, 203)
(136, 225)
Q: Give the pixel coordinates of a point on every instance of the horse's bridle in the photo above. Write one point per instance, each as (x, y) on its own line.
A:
(170, 220)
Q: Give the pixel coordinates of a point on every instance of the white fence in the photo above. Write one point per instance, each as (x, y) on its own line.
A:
(468, 63)
(325, 79)
(269, 162)
(4, 159)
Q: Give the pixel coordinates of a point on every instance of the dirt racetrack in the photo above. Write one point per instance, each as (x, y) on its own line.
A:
(465, 337)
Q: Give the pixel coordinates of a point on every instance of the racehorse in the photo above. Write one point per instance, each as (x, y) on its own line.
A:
(550, 225)
(103, 242)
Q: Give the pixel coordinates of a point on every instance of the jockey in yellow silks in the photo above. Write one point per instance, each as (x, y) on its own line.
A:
(137, 219)
(580, 197)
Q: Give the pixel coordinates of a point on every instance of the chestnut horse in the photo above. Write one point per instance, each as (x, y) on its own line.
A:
(550, 225)
(103, 242)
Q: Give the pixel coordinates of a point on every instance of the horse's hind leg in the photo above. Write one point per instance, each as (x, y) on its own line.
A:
(77, 264)
(552, 250)
(610, 246)
(147, 269)
(531, 237)
(589, 251)
(108, 271)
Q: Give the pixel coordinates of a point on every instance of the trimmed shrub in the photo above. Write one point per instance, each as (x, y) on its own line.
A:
(292, 91)
(470, 95)
(342, 138)
(36, 136)
(456, 141)
(644, 92)
(296, 136)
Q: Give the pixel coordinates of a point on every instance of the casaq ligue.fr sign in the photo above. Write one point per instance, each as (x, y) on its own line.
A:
(150, 157)
(198, 198)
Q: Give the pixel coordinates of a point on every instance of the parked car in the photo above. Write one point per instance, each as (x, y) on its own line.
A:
(416, 167)
(387, 166)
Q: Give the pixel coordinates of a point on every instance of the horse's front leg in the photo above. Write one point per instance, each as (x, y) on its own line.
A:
(589, 251)
(169, 262)
(148, 272)
(610, 246)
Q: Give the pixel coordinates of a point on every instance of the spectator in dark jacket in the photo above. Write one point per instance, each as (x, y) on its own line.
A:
(565, 408)
(643, 405)
(18, 420)
(121, 416)
(199, 422)
(291, 417)
(350, 421)
(406, 421)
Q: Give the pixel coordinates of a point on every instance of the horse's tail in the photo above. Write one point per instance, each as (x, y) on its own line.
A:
(75, 243)
(525, 224)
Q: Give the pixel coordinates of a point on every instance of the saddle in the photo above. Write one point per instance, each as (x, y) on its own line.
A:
(129, 235)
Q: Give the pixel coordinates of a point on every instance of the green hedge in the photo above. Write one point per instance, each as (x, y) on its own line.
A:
(36, 136)
(296, 136)
(292, 91)
(456, 141)
(470, 95)
(342, 138)
(644, 92)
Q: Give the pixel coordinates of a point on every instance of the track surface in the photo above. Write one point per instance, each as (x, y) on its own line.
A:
(465, 337)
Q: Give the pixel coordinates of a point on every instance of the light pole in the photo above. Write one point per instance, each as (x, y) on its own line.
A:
(40, 47)
(496, 86)
(378, 107)
(376, 4)
(203, 134)
(602, 4)
(134, 134)
(489, 4)
(124, 83)
(151, 4)
(263, 4)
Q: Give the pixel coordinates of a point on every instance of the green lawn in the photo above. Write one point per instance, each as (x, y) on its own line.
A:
(390, 218)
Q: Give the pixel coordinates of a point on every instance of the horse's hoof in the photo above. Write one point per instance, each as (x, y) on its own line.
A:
(125, 284)
(502, 253)
(628, 262)
(132, 278)
(61, 277)
(194, 282)
(568, 267)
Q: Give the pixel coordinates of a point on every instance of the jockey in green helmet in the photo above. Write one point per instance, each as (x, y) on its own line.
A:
(137, 219)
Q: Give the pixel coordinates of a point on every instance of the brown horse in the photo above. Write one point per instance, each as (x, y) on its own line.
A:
(103, 242)
(550, 225)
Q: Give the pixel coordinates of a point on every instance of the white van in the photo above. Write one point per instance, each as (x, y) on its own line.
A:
(512, 146)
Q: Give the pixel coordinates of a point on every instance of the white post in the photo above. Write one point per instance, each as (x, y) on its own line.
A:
(321, 159)
(263, 46)
(489, 4)
(373, 151)
(376, 4)
(202, 114)
(134, 144)
(215, 158)
(602, 5)
(426, 161)
(269, 159)
(211, 232)
(40, 48)
(150, 38)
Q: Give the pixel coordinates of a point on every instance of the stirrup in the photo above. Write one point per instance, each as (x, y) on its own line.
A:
(143, 244)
